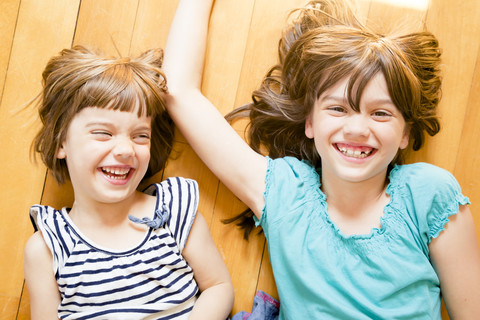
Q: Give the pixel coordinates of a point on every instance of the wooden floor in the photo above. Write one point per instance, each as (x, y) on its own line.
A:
(242, 45)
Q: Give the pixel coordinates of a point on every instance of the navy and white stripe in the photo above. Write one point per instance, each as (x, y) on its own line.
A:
(151, 281)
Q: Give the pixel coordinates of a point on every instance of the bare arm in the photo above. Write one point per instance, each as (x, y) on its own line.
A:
(240, 168)
(456, 257)
(211, 274)
(41, 283)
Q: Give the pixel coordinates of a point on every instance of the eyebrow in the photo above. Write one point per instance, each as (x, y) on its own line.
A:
(334, 98)
(343, 99)
(111, 124)
(98, 123)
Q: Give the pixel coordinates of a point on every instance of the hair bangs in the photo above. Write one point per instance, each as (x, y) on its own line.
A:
(359, 80)
(116, 88)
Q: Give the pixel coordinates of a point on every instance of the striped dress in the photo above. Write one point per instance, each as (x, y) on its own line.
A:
(150, 281)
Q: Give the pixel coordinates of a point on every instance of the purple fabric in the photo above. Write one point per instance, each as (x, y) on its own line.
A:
(264, 308)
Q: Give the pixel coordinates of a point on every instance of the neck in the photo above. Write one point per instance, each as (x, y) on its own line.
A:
(356, 207)
(107, 224)
(89, 213)
(342, 190)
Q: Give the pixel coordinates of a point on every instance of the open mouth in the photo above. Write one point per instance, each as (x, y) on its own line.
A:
(354, 152)
(116, 173)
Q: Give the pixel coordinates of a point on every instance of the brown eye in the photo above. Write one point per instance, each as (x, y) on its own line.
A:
(381, 115)
(337, 109)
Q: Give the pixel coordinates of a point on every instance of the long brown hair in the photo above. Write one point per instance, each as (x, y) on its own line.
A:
(324, 44)
(79, 77)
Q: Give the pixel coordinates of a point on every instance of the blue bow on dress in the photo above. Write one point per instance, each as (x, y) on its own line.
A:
(161, 217)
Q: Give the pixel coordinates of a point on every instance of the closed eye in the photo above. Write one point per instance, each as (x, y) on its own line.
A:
(142, 138)
(99, 132)
(381, 115)
(101, 135)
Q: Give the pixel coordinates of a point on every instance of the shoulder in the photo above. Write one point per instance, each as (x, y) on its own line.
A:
(39, 211)
(178, 198)
(290, 183)
(176, 191)
(293, 165)
(36, 250)
(430, 195)
(173, 185)
(292, 171)
(424, 176)
(48, 220)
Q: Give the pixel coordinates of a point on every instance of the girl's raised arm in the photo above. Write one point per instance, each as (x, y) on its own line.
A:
(230, 158)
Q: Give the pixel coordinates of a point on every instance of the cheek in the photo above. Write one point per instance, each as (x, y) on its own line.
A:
(144, 154)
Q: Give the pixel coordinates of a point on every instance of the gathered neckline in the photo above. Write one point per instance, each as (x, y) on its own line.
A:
(388, 210)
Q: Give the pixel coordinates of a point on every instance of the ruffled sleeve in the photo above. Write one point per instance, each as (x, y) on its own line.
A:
(55, 232)
(177, 204)
(435, 195)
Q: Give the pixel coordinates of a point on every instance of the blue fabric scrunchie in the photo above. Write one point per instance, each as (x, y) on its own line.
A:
(161, 217)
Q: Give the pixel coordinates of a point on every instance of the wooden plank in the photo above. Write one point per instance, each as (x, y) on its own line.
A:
(37, 37)
(8, 19)
(456, 26)
(467, 169)
(390, 16)
(106, 25)
(152, 24)
(185, 163)
(24, 308)
(261, 51)
(362, 9)
(266, 282)
(227, 41)
(243, 258)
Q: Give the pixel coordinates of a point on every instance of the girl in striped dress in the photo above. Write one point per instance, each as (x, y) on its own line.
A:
(117, 253)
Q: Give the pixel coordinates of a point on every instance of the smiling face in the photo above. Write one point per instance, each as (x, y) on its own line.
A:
(357, 146)
(107, 153)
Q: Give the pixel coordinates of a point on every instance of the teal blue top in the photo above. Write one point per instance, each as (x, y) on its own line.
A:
(321, 273)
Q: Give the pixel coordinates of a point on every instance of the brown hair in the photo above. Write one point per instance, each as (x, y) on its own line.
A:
(324, 44)
(79, 77)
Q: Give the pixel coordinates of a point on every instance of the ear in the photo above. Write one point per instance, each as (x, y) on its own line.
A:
(406, 138)
(309, 127)
(61, 154)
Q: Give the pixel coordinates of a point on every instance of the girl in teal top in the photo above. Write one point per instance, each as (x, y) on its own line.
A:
(352, 233)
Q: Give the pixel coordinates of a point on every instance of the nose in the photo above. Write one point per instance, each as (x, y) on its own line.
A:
(123, 148)
(356, 124)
